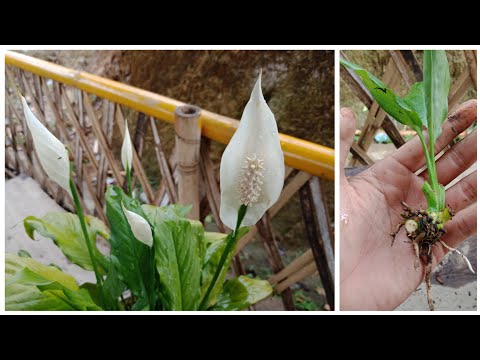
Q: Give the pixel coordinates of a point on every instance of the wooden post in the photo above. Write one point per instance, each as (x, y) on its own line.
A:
(319, 237)
(188, 134)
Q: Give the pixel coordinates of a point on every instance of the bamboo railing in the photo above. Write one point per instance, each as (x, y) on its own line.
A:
(85, 111)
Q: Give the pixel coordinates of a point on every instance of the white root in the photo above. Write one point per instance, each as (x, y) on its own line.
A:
(416, 265)
(411, 226)
(458, 252)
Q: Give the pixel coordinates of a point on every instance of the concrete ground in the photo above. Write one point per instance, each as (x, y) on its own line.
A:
(459, 288)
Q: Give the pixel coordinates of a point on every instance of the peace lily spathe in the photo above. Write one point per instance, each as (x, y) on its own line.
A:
(127, 153)
(252, 167)
(140, 227)
(51, 152)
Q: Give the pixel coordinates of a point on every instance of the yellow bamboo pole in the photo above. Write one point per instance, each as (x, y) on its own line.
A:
(300, 154)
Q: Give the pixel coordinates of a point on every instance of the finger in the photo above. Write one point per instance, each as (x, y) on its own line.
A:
(347, 132)
(456, 160)
(460, 228)
(411, 154)
(463, 193)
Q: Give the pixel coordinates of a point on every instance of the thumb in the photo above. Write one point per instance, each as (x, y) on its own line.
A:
(347, 132)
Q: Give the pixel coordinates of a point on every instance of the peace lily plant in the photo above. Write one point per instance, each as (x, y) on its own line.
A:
(159, 259)
(424, 106)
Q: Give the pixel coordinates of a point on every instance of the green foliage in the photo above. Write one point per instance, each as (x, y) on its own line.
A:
(386, 98)
(216, 246)
(426, 105)
(241, 292)
(178, 262)
(415, 99)
(30, 285)
(132, 261)
(304, 303)
(172, 275)
(64, 229)
(436, 77)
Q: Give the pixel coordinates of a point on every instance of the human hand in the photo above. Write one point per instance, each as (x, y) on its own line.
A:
(373, 274)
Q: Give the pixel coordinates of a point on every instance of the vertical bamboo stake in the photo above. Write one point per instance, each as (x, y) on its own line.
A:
(187, 139)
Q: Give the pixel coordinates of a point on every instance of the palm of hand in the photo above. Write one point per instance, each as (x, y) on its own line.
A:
(374, 274)
(374, 207)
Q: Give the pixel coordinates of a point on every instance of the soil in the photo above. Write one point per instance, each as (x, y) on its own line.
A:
(423, 239)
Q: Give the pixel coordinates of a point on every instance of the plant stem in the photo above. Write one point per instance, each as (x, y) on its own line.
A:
(129, 181)
(83, 224)
(433, 176)
(231, 242)
(432, 171)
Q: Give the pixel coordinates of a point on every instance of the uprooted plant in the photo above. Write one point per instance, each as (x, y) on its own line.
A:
(159, 259)
(425, 105)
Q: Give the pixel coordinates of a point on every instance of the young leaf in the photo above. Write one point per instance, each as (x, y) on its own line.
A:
(436, 77)
(240, 293)
(390, 103)
(415, 99)
(65, 230)
(133, 261)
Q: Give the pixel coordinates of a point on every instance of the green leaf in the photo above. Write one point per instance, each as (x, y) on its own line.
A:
(216, 244)
(132, 260)
(178, 260)
(173, 211)
(93, 290)
(199, 231)
(79, 300)
(389, 102)
(436, 77)
(14, 263)
(30, 285)
(65, 230)
(29, 298)
(415, 99)
(98, 226)
(113, 286)
(240, 293)
(211, 237)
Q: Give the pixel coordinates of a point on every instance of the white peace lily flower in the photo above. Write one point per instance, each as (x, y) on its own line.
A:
(252, 167)
(51, 152)
(127, 153)
(140, 227)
